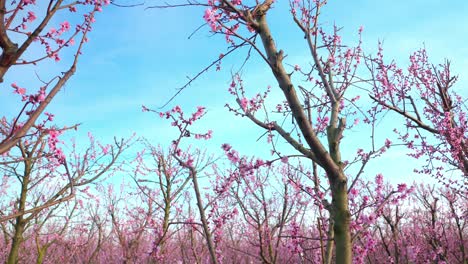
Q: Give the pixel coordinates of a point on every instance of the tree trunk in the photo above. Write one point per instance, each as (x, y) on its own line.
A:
(206, 230)
(17, 240)
(342, 218)
(329, 160)
(20, 223)
(40, 255)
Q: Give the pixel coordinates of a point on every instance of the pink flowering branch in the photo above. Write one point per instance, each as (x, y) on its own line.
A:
(45, 169)
(161, 179)
(182, 123)
(437, 126)
(79, 171)
(12, 53)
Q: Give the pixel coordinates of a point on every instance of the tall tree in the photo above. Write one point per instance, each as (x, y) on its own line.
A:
(320, 97)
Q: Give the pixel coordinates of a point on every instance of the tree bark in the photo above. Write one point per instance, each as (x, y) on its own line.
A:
(342, 220)
(16, 242)
(20, 222)
(206, 230)
(329, 161)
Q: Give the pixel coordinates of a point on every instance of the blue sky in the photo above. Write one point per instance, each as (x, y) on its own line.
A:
(138, 56)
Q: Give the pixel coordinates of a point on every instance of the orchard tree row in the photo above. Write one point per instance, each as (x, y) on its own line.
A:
(309, 202)
(186, 206)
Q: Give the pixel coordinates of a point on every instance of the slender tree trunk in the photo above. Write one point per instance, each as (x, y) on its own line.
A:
(40, 255)
(16, 243)
(20, 223)
(98, 246)
(167, 210)
(206, 230)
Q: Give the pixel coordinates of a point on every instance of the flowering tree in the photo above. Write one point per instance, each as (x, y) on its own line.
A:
(23, 28)
(45, 178)
(266, 207)
(428, 227)
(53, 227)
(130, 224)
(320, 98)
(190, 161)
(163, 181)
(318, 106)
(436, 125)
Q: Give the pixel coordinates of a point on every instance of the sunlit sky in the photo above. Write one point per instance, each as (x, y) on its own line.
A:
(140, 57)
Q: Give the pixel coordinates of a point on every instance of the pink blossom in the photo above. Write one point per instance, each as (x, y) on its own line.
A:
(244, 102)
(402, 187)
(18, 90)
(177, 109)
(226, 147)
(361, 28)
(388, 143)
(379, 179)
(105, 149)
(211, 18)
(52, 31)
(50, 117)
(64, 26)
(31, 16)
